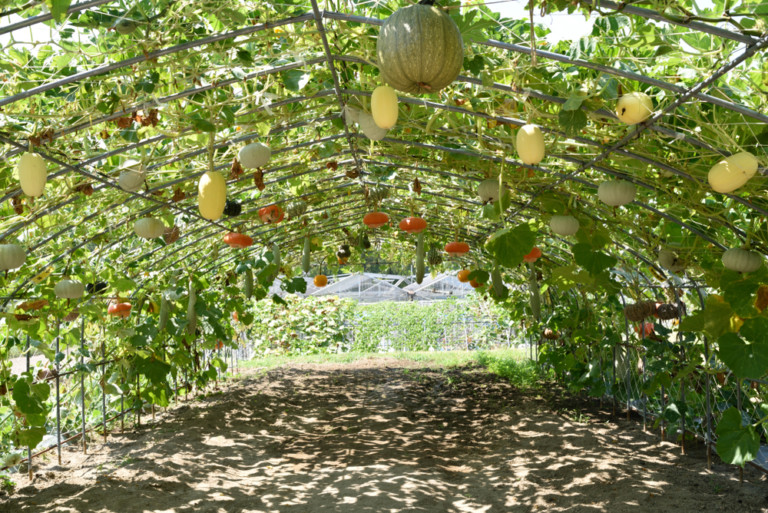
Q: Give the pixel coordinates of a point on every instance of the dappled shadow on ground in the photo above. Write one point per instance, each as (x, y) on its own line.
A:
(387, 437)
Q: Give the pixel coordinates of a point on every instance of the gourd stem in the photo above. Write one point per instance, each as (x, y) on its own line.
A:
(533, 34)
(211, 149)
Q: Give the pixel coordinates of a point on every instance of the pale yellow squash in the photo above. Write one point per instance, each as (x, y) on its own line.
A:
(212, 195)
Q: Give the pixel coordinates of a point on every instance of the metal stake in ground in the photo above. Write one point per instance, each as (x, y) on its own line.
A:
(82, 380)
(29, 449)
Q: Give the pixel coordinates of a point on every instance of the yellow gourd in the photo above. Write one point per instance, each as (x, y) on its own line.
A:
(530, 144)
(732, 172)
(33, 174)
(212, 195)
(384, 107)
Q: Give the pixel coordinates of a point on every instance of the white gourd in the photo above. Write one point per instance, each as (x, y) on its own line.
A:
(616, 193)
(131, 176)
(69, 289)
(11, 256)
(254, 155)
(564, 225)
(149, 228)
(488, 190)
(33, 174)
(669, 260)
(742, 260)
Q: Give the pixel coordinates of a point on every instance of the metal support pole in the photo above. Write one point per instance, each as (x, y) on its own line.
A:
(29, 449)
(708, 381)
(104, 383)
(58, 392)
(122, 406)
(739, 383)
(680, 308)
(138, 401)
(82, 380)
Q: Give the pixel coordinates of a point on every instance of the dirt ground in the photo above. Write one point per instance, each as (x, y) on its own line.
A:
(386, 436)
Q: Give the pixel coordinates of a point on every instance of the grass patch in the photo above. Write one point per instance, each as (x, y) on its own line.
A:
(513, 366)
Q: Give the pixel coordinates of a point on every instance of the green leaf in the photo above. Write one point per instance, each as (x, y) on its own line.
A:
(58, 9)
(714, 320)
(571, 121)
(739, 291)
(30, 399)
(594, 262)
(736, 444)
(745, 359)
(479, 276)
(125, 284)
(295, 79)
(202, 125)
(29, 437)
(510, 245)
(573, 103)
(155, 370)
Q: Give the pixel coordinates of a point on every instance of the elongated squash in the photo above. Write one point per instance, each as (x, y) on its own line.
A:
(191, 313)
(165, 311)
(420, 258)
(212, 195)
(498, 284)
(248, 283)
(305, 257)
(276, 254)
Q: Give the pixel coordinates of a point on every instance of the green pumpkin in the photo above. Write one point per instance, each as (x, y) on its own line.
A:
(420, 49)
(434, 257)
(306, 254)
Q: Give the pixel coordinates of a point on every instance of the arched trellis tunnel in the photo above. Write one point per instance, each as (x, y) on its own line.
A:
(175, 89)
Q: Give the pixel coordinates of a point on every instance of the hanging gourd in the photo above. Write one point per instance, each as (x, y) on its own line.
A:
(742, 260)
(670, 261)
(534, 255)
(232, 208)
(375, 219)
(634, 108)
(463, 275)
(237, 240)
(616, 193)
(295, 208)
(276, 258)
(488, 190)
(69, 289)
(212, 195)
(530, 144)
(248, 283)
(33, 173)
(191, 312)
(306, 254)
(499, 290)
(369, 127)
(149, 228)
(343, 252)
(271, 214)
(118, 309)
(419, 49)
(641, 310)
(320, 281)
(165, 311)
(254, 155)
(384, 107)
(363, 242)
(131, 176)
(12, 256)
(413, 224)
(434, 257)
(420, 258)
(732, 172)
(457, 248)
(564, 225)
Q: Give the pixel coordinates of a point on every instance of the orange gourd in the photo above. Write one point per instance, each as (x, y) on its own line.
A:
(375, 219)
(457, 248)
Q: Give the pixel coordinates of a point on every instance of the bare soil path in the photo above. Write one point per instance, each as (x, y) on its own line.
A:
(386, 436)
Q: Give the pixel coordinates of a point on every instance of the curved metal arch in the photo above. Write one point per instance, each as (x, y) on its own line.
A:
(33, 20)
(100, 70)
